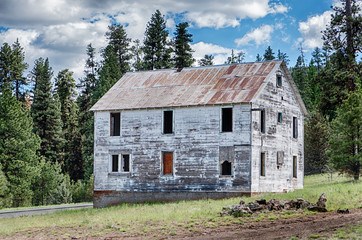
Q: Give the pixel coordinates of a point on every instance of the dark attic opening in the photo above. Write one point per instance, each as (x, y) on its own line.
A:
(227, 120)
(226, 168)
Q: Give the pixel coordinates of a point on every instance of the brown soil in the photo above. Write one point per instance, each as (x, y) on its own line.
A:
(302, 227)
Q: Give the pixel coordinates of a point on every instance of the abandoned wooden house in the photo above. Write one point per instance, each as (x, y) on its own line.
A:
(205, 132)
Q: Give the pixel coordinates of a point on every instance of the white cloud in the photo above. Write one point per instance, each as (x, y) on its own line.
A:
(220, 53)
(311, 30)
(261, 35)
(61, 29)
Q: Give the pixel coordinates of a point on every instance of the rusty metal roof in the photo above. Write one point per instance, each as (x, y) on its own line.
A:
(225, 84)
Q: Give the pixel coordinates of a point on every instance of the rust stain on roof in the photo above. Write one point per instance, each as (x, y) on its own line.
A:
(225, 84)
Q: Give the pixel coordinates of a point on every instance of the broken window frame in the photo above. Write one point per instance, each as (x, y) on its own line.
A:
(280, 157)
(295, 127)
(117, 163)
(163, 169)
(227, 122)
(123, 164)
(294, 166)
(262, 121)
(115, 129)
(166, 122)
(262, 164)
(223, 172)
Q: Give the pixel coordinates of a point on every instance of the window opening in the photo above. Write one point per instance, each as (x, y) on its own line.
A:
(295, 127)
(226, 119)
(262, 164)
(115, 124)
(294, 166)
(226, 168)
(280, 157)
(125, 162)
(114, 163)
(280, 117)
(279, 81)
(168, 122)
(167, 159)
(262, 121)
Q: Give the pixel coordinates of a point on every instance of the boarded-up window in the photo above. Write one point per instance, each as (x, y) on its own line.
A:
(125, 162)
(280, 117)
(115, 124)
(168, 122)
(262, 121)
(295, 127)
(226, 119)
(167, 160)
(114, 163)
(226, 168)
(280, 158)
(262, 164)
(294, 166)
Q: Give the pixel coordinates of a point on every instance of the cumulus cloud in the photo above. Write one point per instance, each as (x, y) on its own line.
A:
(311, 30)
(261, 35)
(62, 29)
(220, 53)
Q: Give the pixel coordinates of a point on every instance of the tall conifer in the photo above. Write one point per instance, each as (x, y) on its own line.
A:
(183, 52)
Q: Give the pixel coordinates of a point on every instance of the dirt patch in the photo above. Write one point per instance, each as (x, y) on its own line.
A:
(300, 227)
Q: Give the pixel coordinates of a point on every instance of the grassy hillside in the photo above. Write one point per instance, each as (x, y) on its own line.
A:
(341, 193)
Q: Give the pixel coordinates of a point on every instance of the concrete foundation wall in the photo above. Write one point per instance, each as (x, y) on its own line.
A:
(109, 198)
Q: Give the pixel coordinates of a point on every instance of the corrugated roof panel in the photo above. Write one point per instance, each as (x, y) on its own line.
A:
(191, 86)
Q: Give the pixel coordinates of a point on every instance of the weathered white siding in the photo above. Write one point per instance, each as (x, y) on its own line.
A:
(197, 144)
(277, 137)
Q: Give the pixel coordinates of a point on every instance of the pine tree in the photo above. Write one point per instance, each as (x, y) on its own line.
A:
(6, 61)
(72, 160)
(346, 141)
(18, 66)
(207, 60)
(235, 58)
(45, 111)
(117, 38)
(137, 52)
(283, 56)
(18, 147)
(109, 73)
(85, 119)
(12, 67)
(317, 58)
(268, 55)
(316, 143)
(344, 36)
(258, 58)
(156, 49)
(183, 52)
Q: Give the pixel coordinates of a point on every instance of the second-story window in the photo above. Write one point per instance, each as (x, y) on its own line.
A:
(295, 127)
(115, 124)
(167, 121)
(227, 119)
(262, 121)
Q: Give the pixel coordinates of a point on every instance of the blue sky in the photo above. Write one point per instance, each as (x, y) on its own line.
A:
(61, 29)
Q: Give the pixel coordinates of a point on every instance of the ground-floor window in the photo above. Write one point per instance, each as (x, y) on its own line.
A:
(167, 163)
(294, 166)
(262, 164)
(226, 168)
(120, 163)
